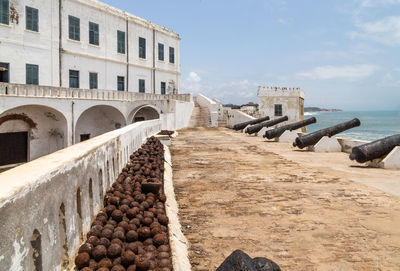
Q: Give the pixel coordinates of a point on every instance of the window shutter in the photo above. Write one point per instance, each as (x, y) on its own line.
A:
(35, 20)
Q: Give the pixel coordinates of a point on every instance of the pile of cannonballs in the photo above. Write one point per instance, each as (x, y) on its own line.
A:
(131, 232)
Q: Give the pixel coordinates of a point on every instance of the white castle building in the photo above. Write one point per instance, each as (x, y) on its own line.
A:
(71, 70)
(85, 44)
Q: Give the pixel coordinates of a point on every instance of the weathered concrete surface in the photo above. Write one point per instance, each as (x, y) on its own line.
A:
(297, 208)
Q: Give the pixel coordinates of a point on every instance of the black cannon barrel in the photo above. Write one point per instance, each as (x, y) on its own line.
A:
(375, 149)
(277, 132)
(313, 138)
(243, 125)
(255, 128)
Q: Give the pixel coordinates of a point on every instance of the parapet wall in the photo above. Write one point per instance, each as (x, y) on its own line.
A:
(46, 205)
(279, 91)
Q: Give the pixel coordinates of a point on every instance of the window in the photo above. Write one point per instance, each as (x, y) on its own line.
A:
(142, 47)
(74, 28)
(4, 71)
(93, 80)
(163, 87)
(278, 110)
(32, 19)
(142, 86)
(73, 79)
(161, 51)
(93, 33)
(121, 42)
(121, 83)
(171, 55)
(4, 12)
(32, 74)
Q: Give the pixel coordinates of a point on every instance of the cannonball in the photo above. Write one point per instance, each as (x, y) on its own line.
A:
(107, 233)
(144, 232)
(148, 242)
(114, 200)
(105, 242)
(93, 240)
(147, 221)
(150, 248)
(128, 258)
(119, 234)
(131, 213)
(162, 197)
(118, 267)
(114, 250)
(163, 248)
(86, 247)
(131, 227)
(106, 262)
(164, 262)
(142, 263)
(124, 208)
(82, 260)
(162, 255)
(99, 252)
(131, 236)
(160, 239)
(163, 219)
(118, 242)
(117, 215)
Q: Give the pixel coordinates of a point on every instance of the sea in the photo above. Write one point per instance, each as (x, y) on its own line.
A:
(374, 124)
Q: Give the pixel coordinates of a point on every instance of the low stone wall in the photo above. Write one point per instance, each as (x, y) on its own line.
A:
(235, 116)
(46, 205)
(348, 143)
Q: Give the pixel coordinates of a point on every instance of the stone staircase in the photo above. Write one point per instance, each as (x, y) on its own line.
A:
(200, 117)
(222, 123)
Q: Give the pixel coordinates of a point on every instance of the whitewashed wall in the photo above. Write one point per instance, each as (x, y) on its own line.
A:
(52, 181)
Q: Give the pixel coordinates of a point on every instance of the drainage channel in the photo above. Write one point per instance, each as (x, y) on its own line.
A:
(131, 232)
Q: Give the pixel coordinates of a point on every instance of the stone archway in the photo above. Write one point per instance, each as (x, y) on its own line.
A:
(98, 120)
(145, 112)
(32, 131)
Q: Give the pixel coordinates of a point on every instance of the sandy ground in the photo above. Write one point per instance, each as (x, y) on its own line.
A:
(300, 209)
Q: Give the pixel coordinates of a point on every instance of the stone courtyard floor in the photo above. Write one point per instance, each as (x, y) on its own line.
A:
(305, 211)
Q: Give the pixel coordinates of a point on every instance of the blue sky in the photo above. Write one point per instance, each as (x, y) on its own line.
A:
(343, 53)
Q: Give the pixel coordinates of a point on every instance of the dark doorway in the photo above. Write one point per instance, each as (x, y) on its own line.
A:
(85, 137)
(4, 72)
(137, 119)
(13, 148)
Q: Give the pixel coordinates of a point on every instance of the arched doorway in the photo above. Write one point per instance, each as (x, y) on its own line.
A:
(98, 120)
(29, 132)
(144, 113)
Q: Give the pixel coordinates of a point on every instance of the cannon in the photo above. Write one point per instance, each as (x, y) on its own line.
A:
(255, 128)
(375, 149)
(313, 138)
(277, 132)
(243, 125)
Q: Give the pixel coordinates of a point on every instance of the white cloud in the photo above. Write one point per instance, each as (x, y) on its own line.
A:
(374, 3)
(235, 90)
(385, 31)
(282, 21)
(351, 72)
(194, 77)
